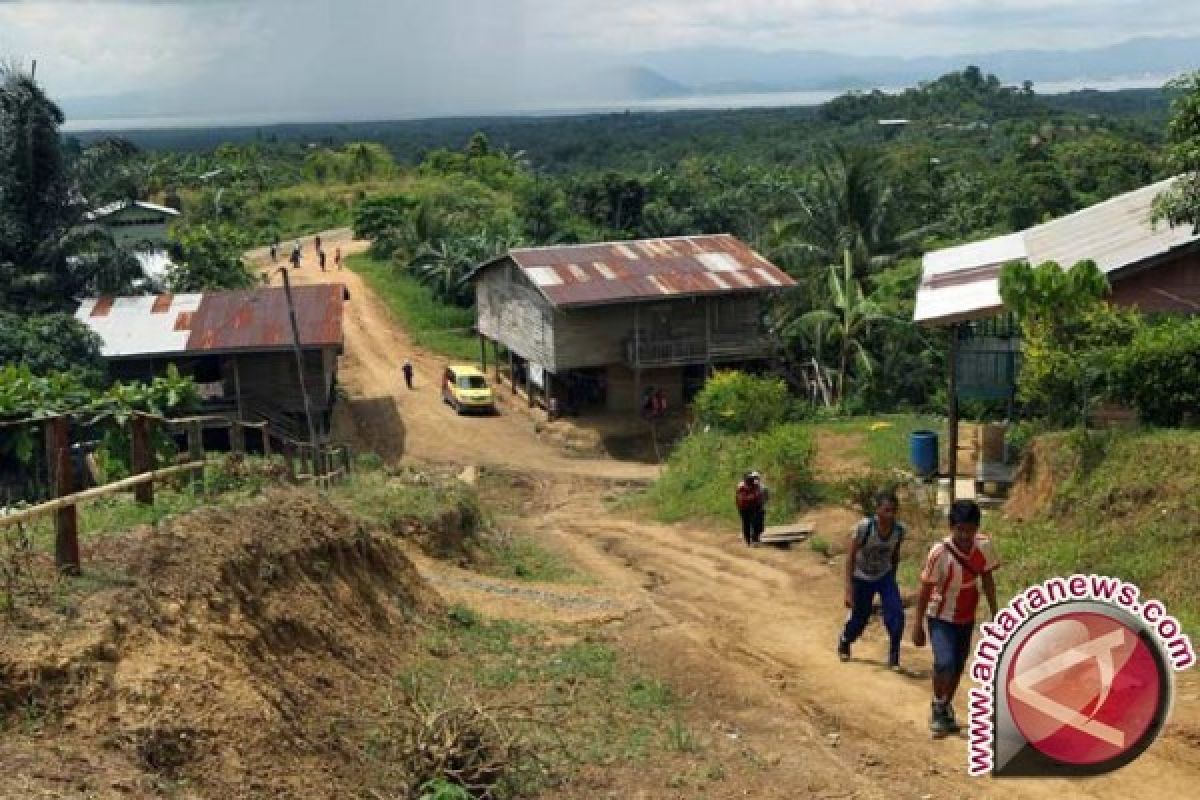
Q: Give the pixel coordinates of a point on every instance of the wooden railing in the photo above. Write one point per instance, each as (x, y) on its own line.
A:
(644, 351)
(322, 465)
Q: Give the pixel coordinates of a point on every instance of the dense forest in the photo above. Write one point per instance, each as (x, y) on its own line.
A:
(844, 203)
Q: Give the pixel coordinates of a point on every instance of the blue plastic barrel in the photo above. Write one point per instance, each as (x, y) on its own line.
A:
(923, 453)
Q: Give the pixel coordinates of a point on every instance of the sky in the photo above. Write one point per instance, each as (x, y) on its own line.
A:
(443, 54)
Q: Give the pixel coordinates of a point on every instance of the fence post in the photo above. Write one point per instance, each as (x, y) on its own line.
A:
(66, 520)
(195, 444)
(143, 459)
(237, 438)
(266, 442)
(289, 455)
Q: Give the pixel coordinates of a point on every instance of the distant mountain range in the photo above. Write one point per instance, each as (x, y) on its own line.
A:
(713, 70)
(699, 74)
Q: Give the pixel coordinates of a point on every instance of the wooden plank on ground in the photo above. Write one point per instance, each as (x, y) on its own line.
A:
(786, 534)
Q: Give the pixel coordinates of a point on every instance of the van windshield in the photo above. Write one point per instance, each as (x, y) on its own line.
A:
(472, 382)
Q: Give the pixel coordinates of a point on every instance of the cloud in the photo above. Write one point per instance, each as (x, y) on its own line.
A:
(426, 56)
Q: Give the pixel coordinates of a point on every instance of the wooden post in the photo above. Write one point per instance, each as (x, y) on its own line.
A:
(66, 520)
(143, 459)
(237, 388)
(265, 431)
(512, 371)
(529, 381)
(952, 414)
(496, 359)
(289, 456)
(195, 444)
(482, 354)
(237, 438)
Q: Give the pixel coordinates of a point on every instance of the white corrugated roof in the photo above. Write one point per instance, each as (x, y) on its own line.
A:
(121, 205)
(960, 283)
(130, 328)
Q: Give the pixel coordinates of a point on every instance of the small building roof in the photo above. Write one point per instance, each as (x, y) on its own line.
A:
(1119, 234)
(121, 205)
(644, 269)
(214, 322)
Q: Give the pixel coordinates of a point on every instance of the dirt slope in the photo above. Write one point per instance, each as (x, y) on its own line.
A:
(232, 647)
(763, 621)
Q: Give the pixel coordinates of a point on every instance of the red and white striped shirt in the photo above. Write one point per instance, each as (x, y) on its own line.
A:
(955, 586)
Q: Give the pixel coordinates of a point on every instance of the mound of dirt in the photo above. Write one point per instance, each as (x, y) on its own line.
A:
(1044, 466)
(233, 663)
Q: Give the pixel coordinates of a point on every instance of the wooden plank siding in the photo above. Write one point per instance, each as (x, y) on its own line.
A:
(511, 311)
(1169, 287)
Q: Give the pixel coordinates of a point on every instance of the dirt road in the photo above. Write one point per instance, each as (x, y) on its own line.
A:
(752, 630)
(383, 416)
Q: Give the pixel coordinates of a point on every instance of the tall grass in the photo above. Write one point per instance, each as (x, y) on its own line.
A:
(1133, 514)
(431, 324)
(704, 470)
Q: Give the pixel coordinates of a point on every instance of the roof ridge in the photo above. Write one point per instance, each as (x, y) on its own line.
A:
(615, 242)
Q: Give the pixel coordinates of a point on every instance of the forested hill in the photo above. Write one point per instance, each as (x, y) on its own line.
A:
(635, 140)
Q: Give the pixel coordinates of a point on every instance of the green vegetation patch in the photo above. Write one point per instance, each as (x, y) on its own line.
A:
(885, 437)
(702, 472)
(1131, 510)
(442, 328)
(542, 702)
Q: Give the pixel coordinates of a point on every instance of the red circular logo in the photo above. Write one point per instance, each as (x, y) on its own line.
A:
(1084, 688)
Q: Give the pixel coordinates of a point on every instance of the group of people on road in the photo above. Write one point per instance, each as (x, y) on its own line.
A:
(955, 571)
(297, 254)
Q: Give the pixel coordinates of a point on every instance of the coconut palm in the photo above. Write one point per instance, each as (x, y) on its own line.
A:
(844, 326)
(847, 207)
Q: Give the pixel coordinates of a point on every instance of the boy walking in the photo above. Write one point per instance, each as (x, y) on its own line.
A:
(870, 570)
(949, 596)
(407, 369)
(751, 499)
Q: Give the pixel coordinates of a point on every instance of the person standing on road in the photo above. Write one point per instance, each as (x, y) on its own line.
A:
(321, 259)
(274, 252)
(295, 259)
(949, 596)
(870, 570)
(751, 499)
(407, 369)
(337, 258)
(317, 243)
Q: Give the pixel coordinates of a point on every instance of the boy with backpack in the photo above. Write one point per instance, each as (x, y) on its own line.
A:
(870, 570)
(949, 596)
(751, 499)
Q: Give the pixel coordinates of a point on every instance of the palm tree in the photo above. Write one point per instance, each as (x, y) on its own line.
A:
(845, 325)
(847, 208)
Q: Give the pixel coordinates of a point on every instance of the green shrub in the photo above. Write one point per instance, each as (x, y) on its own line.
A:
(739, 403)
(703, 471)
(1158, 373)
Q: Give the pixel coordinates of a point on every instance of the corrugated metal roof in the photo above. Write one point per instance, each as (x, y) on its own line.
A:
(121, 205)
(612, 272)
(258, 319)
(131, 328)
(255, 319)
(960, 283)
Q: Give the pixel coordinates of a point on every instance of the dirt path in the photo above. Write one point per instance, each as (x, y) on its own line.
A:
(381, 415)
(752, 630)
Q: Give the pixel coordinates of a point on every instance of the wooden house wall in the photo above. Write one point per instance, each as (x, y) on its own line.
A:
(1172, 287)
(594, 337)
(511, 311)
(270, 379)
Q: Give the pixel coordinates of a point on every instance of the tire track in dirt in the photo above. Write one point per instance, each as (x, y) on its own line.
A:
(733, 600)
(766, 620)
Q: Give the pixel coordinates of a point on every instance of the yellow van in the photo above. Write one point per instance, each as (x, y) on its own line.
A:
(464, 388)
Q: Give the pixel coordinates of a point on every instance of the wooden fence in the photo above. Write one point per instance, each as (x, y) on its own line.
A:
(322, 466)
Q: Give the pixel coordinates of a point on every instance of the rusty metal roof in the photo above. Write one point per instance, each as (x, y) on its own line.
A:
(250, 320)
(646, 269)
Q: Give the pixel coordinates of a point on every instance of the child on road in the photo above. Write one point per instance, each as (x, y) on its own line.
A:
(870, 570)
(954, 569)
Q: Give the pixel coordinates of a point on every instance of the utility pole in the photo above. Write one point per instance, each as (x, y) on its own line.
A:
(312, 431)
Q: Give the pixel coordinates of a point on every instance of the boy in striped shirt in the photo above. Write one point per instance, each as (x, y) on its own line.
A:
(949, 596)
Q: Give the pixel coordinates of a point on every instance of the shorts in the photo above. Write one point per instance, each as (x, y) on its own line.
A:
(951, 643)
